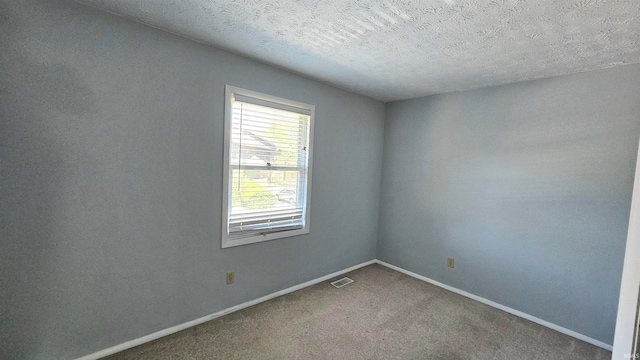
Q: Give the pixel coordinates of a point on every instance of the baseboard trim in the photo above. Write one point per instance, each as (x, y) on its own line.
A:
(174, 329)
(501, 307)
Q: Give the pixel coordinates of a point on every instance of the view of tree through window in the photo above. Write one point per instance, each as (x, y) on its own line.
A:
(268, 167)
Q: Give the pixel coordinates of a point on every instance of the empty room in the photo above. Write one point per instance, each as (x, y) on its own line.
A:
(296, 179)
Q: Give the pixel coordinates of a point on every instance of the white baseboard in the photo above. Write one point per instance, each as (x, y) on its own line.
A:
(162, 333)
(502, 307)
(174, 329)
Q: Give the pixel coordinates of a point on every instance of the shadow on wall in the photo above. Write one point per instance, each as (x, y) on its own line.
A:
(35, 98)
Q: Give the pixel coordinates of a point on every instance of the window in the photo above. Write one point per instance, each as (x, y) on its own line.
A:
(267, 167)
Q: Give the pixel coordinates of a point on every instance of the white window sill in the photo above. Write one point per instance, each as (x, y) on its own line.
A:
(251, 239)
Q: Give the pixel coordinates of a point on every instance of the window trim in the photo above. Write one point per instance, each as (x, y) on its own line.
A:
(274, 101)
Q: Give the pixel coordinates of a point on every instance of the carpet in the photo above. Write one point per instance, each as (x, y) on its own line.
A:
(383, 314)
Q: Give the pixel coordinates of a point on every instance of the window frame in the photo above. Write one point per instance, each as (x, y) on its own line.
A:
(227, 239)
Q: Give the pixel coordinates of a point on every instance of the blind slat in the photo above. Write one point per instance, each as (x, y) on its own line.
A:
(267, 198)
(242, 166)
(270, 104)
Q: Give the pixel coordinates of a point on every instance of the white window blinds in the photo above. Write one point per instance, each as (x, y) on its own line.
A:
(268, 167)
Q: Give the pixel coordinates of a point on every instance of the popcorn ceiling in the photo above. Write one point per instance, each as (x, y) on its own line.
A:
(395, 49)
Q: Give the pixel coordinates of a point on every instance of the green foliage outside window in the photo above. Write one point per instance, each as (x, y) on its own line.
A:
(252, 196)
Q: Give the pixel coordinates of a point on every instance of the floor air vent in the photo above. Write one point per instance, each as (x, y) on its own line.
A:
(342, 282)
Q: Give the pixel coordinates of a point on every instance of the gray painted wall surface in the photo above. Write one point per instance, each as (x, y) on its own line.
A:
(528, 186)
(111, 170)
(111, 140)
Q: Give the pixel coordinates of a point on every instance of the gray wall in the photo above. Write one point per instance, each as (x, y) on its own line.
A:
(111, 170)
(528, 186)
(111, 140)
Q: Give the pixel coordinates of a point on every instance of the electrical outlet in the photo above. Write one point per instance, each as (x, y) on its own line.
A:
(450, 262)
(230, 278)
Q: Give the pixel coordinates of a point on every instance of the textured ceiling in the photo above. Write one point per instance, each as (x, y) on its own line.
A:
(398, 49)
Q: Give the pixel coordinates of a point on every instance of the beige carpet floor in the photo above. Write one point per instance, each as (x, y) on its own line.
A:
(384, 314)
